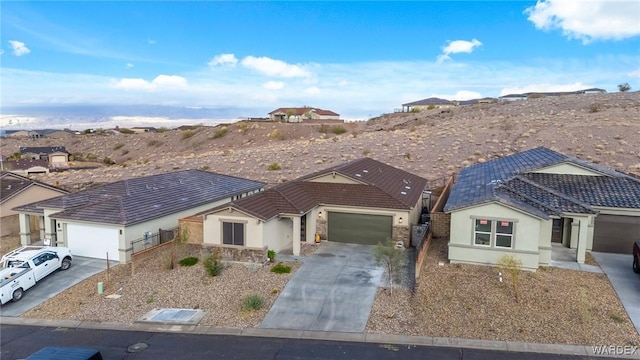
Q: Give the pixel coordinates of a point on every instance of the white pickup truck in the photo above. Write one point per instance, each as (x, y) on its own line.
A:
(25, 266)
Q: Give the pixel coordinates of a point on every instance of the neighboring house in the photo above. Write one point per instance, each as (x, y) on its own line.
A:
(106, 219)
(54, 133)
(522, 203)
(302, 113)
(513, 97)
(593, 91)
(56, 156)
(363, 201)
(26, 166)
(16, 190)
(430, 103)
(143, 129)
(525, 96)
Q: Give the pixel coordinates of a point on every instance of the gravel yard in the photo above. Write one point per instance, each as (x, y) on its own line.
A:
(556, 306)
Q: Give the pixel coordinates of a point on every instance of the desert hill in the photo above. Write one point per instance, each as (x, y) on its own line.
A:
(602, 128)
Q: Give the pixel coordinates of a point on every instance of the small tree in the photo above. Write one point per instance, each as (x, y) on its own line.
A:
(387, 254)
(181, 237)
(624, 87)
(510, 265)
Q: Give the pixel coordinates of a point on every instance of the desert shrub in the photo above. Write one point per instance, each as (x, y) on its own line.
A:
(204, 168)
(338, 129)
(510, 266)
(252, 302)
(75, 156)
(366, 152)
(242, 126)
(162, 129)
(118, 146)
(415, 110)
(126, 131)
(281, 268)
(431, 107)
(109, 161)
(212, 264)
(323, 128)
(594, 107)
(154, 142)
(278, 134)
(125, 152)
(188, 261)
(220, 132)
(187, 134)
(92, 157)
(390, 257)
(274, 166)
(536, 96)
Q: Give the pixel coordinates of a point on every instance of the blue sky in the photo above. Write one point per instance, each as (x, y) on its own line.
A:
(357, 58)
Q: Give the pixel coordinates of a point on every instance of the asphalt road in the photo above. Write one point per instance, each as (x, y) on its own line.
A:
(18, 342)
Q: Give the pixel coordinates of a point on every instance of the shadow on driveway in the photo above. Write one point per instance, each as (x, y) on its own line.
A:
(333, 290)
(625, 282)
(81, 268)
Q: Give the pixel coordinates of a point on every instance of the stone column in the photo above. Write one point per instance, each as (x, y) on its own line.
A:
(25, 229)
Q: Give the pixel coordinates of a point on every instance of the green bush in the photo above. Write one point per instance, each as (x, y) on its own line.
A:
(212, 264)
(154, 142)
(220, 132)
(252, 302)
(323, 128)
(338, 129)
(280, 268)
(271, 254)
(274, 166)
(189, 261)
(162, 129)
(109, 161)
(92, 157)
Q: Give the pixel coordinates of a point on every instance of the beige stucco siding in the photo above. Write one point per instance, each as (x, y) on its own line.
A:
(567, 169)
(335, 179)
(278, 234)
(28, 196)
(526, 237)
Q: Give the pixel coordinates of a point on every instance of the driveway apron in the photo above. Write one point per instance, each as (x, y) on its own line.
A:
(55, 283)
(333, 290)
(625, 282)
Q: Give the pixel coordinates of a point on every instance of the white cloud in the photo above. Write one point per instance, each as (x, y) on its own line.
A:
(130, 65)
(461, 95)
(160, 82)
(458, 46)
(547, 87)
(19, 48)
(312, 90)
(273, 85)
(272, 67)
(1, 51)
(588, 20)
(223, 59)
(634, 73)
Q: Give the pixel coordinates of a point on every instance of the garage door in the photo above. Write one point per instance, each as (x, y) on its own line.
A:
(93, 241)
(359, 228)
(616, 234)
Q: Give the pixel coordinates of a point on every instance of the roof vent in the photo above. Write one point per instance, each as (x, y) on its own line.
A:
(358, 175)
(407, 187)
(365, 171)
(403, 193)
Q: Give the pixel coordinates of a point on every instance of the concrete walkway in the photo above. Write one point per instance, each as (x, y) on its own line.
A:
(565, 258)
(625, 282)
(333, 290)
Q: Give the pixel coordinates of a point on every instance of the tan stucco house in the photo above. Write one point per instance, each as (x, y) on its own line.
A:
(107, 221)
(17, 190)
(523, 203)
(56, 156)
(363, 201)
(299, 114)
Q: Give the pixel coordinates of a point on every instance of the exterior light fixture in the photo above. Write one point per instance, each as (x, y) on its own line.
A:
(400, 220)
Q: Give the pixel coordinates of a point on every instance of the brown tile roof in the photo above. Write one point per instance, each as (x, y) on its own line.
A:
(303, 110)
(25, 164)
(381, 186)
(13, 184)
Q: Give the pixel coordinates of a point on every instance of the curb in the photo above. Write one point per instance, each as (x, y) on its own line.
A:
(579, 350)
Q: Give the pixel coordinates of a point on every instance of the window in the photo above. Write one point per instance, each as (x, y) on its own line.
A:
(497, 233)
(233, 233)
(483, 232)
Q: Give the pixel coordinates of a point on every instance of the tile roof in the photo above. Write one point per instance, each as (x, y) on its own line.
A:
(509, 180)
(303, 110)
(430, 101)
(42, 149)
(13, 184)
(25, 164)
(133, 201)
(381, 186)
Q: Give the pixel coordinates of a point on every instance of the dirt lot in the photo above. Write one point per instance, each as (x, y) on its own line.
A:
(556, 306)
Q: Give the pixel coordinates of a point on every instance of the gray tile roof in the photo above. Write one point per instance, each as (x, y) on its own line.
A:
(42, 149)
(13, 184)
(430, 101)
(133, 201)
(509, 180)
(381, 186)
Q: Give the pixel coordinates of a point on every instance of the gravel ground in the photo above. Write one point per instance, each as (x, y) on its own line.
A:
(556, 306)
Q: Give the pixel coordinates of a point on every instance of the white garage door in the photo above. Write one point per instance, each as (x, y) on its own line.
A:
(93, 241)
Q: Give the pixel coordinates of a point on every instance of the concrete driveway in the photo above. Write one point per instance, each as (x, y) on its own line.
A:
(625, 282)
(333, 290)
(81, 268)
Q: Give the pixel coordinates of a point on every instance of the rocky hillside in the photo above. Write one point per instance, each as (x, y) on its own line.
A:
(603, 128)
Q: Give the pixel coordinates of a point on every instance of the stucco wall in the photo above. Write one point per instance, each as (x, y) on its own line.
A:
(567, 169)
(278, 234)
(195, 229)
(335, 179)
(526, 239)
(28, 196)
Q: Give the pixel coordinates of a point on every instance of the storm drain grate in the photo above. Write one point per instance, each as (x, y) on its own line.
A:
(173, 316)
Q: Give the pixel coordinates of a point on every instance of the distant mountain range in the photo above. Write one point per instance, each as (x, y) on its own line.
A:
(75, 116)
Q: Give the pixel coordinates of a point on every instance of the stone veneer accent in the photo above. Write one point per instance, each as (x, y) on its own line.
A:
(321, 228)
(240, 254)
(401, 233)
(440, 224)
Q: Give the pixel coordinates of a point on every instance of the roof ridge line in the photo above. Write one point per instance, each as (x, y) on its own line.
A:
(503, 187)
(554, 192)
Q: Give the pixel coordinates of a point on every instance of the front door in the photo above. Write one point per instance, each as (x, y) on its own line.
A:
(556, 230)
